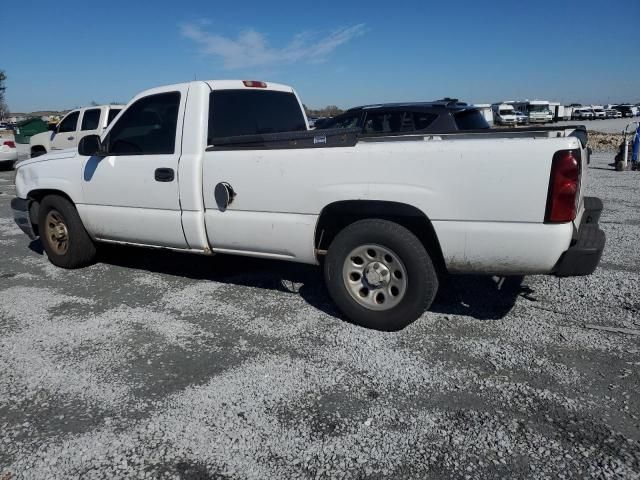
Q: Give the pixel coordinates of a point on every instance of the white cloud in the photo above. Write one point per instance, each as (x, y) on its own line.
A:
(251, 49)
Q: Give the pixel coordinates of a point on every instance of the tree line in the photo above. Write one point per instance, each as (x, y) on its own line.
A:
(328, 111)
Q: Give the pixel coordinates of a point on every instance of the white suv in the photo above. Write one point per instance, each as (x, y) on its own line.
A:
(74, 126)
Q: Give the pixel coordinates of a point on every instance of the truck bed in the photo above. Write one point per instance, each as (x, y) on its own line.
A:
(341, 137)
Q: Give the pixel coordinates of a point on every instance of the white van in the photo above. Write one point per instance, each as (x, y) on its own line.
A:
(504, 114)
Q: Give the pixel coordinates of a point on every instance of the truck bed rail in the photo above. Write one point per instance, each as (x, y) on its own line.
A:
(348, 137)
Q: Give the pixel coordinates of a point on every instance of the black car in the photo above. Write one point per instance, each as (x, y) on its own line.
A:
(625, 110)
(447, 115)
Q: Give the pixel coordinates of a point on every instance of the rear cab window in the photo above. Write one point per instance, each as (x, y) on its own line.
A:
(253, 112)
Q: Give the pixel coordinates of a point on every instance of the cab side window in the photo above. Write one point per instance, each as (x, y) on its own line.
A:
(113, 113)
(422, 120)
(69, 123)
(90, 119)
(148, 127)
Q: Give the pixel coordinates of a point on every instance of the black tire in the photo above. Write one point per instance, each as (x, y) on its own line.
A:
(422, 280)
(37, 152)
(80, 250)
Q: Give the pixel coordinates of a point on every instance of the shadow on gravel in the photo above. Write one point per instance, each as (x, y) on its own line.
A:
(480, 297)
(36, 246)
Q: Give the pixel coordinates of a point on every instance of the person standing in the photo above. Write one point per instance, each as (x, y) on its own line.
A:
(635, 165)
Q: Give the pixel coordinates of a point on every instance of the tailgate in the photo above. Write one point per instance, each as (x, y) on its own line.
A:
(585, 153)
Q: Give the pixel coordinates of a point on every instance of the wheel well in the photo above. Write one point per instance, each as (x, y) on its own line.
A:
(36, 197)
(336, 216)
(38, 148)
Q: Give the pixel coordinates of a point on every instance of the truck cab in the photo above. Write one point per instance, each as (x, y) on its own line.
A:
(75, 125)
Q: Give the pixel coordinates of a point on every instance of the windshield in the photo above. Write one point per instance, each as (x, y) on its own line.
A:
(506, 112)
(539, 108)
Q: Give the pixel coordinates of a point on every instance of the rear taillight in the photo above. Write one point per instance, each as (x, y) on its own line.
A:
(10, 143)
(254, 84)
(564, 186)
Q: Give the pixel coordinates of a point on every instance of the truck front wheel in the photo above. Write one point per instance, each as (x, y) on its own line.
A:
(380, 275)
(63, 235)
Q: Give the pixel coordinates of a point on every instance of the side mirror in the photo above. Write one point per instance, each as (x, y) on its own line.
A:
(53, 127)
(90, 146)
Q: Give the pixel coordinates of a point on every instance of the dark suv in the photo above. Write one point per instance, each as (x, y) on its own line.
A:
(447, 115)
(625, 110)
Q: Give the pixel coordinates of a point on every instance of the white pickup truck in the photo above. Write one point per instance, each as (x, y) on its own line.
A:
(231, 167)
(73, 127)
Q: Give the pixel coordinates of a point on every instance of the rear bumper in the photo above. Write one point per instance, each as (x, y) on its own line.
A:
(586, 249)
(20, 209)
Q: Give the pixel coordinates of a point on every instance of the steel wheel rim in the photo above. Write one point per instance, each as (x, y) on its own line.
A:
(56, 232)
(375, 277)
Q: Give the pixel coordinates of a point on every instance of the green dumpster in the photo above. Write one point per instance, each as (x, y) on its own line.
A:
(27, 128)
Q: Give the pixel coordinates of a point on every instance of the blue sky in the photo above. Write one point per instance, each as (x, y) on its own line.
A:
(346, 53)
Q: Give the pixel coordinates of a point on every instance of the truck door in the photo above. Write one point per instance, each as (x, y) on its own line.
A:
(132, 194)
(267, 183)
(89, 123)
(65, 136)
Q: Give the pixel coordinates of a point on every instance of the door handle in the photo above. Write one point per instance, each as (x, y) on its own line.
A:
(164, 175)
(69, 138)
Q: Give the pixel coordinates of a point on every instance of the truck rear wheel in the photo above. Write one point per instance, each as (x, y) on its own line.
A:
(63, 235)
(380, 275)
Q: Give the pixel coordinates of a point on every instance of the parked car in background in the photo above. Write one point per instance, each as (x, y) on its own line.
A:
(504, 114)
(521, 118)
(447, 115)
(538, 111)
(625, 110)
(582, 114)
(8, 153)
(613, 113)
(598, 112)
(74, 126)
(229, 166)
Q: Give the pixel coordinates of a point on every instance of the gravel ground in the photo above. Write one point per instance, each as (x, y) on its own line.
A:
(611, 125)
(160, 365)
